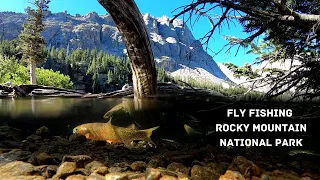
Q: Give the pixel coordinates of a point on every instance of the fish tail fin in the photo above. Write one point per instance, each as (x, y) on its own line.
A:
(149, 133)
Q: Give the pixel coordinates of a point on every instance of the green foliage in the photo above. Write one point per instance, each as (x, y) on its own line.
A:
(9, 48)
(95, 64)
(48, 77)
(84, 62)
(162, 75)
(12, 71)
(245, 70)
(230, 66)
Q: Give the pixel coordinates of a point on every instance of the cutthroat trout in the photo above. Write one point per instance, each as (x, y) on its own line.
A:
(111, 133)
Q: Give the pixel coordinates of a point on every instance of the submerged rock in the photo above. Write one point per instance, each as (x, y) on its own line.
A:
(155, 162)
(101, 171)
(139, 166)
(178, 167)
(33, 138)
(76, 177)
(43, 132)
(137, 176)
(245, 167)
(166, 177)
(7, 177)
(82, 171)
(45, 158)
(94, 166)
(78, 137)
(10, 133)
(204, 172)
(51, 171)
(94, 176)
(80, 160)
(308, 176)
(18, 168)
(232, 175)
(116, 176)
(119, 167)
(152, 174)
(17, 155)
(65, 169)
(280, 175)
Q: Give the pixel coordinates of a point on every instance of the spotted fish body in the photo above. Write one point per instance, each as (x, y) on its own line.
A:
(111, 133)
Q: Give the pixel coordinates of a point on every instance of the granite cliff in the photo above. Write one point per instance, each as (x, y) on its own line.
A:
(173, 45)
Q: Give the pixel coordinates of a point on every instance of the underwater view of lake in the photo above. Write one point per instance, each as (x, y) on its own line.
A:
(180, 138)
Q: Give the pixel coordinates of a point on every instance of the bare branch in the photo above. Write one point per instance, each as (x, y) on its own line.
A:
(209, 34)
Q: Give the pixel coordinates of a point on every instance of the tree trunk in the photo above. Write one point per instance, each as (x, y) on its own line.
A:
(131, 25)
(33, 72)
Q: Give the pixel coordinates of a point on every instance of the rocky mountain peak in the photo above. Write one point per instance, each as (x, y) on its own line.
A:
(92, 16)
(173, 44)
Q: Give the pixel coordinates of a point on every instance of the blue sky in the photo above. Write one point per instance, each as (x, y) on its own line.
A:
(156, 8)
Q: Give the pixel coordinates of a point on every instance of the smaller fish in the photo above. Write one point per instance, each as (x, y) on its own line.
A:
(295, 152)
(112, 134)
(126, 106)
(168, 140)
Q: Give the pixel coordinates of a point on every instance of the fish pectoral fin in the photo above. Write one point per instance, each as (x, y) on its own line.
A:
(109, 141)
(132, 126)
(87, 136)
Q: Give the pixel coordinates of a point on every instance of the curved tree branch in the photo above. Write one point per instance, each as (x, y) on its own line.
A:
(131, 25)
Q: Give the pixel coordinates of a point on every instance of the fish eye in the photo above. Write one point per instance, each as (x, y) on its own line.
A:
(75, 130)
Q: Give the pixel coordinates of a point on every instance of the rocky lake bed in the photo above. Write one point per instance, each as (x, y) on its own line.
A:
(44, 156)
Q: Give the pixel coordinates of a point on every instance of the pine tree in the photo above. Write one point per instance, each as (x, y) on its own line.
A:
(32, 42)
(62, 55)
(95, 83)
(92, 68)
(93, 53)
(85, 57)
(53, 52)
(110, 77)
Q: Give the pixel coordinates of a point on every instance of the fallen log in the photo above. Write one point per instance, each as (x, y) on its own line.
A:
(165, 90)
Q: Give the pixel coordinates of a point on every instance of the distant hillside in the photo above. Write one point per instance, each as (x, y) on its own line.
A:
(260, 70)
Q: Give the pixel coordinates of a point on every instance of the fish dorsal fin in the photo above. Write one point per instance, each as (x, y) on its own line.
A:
(131, 126)
(109, 122)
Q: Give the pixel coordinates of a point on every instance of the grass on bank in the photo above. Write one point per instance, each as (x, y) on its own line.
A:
(232, 91)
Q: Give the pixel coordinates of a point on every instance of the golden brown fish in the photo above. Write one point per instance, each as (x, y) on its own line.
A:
(111, 133)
